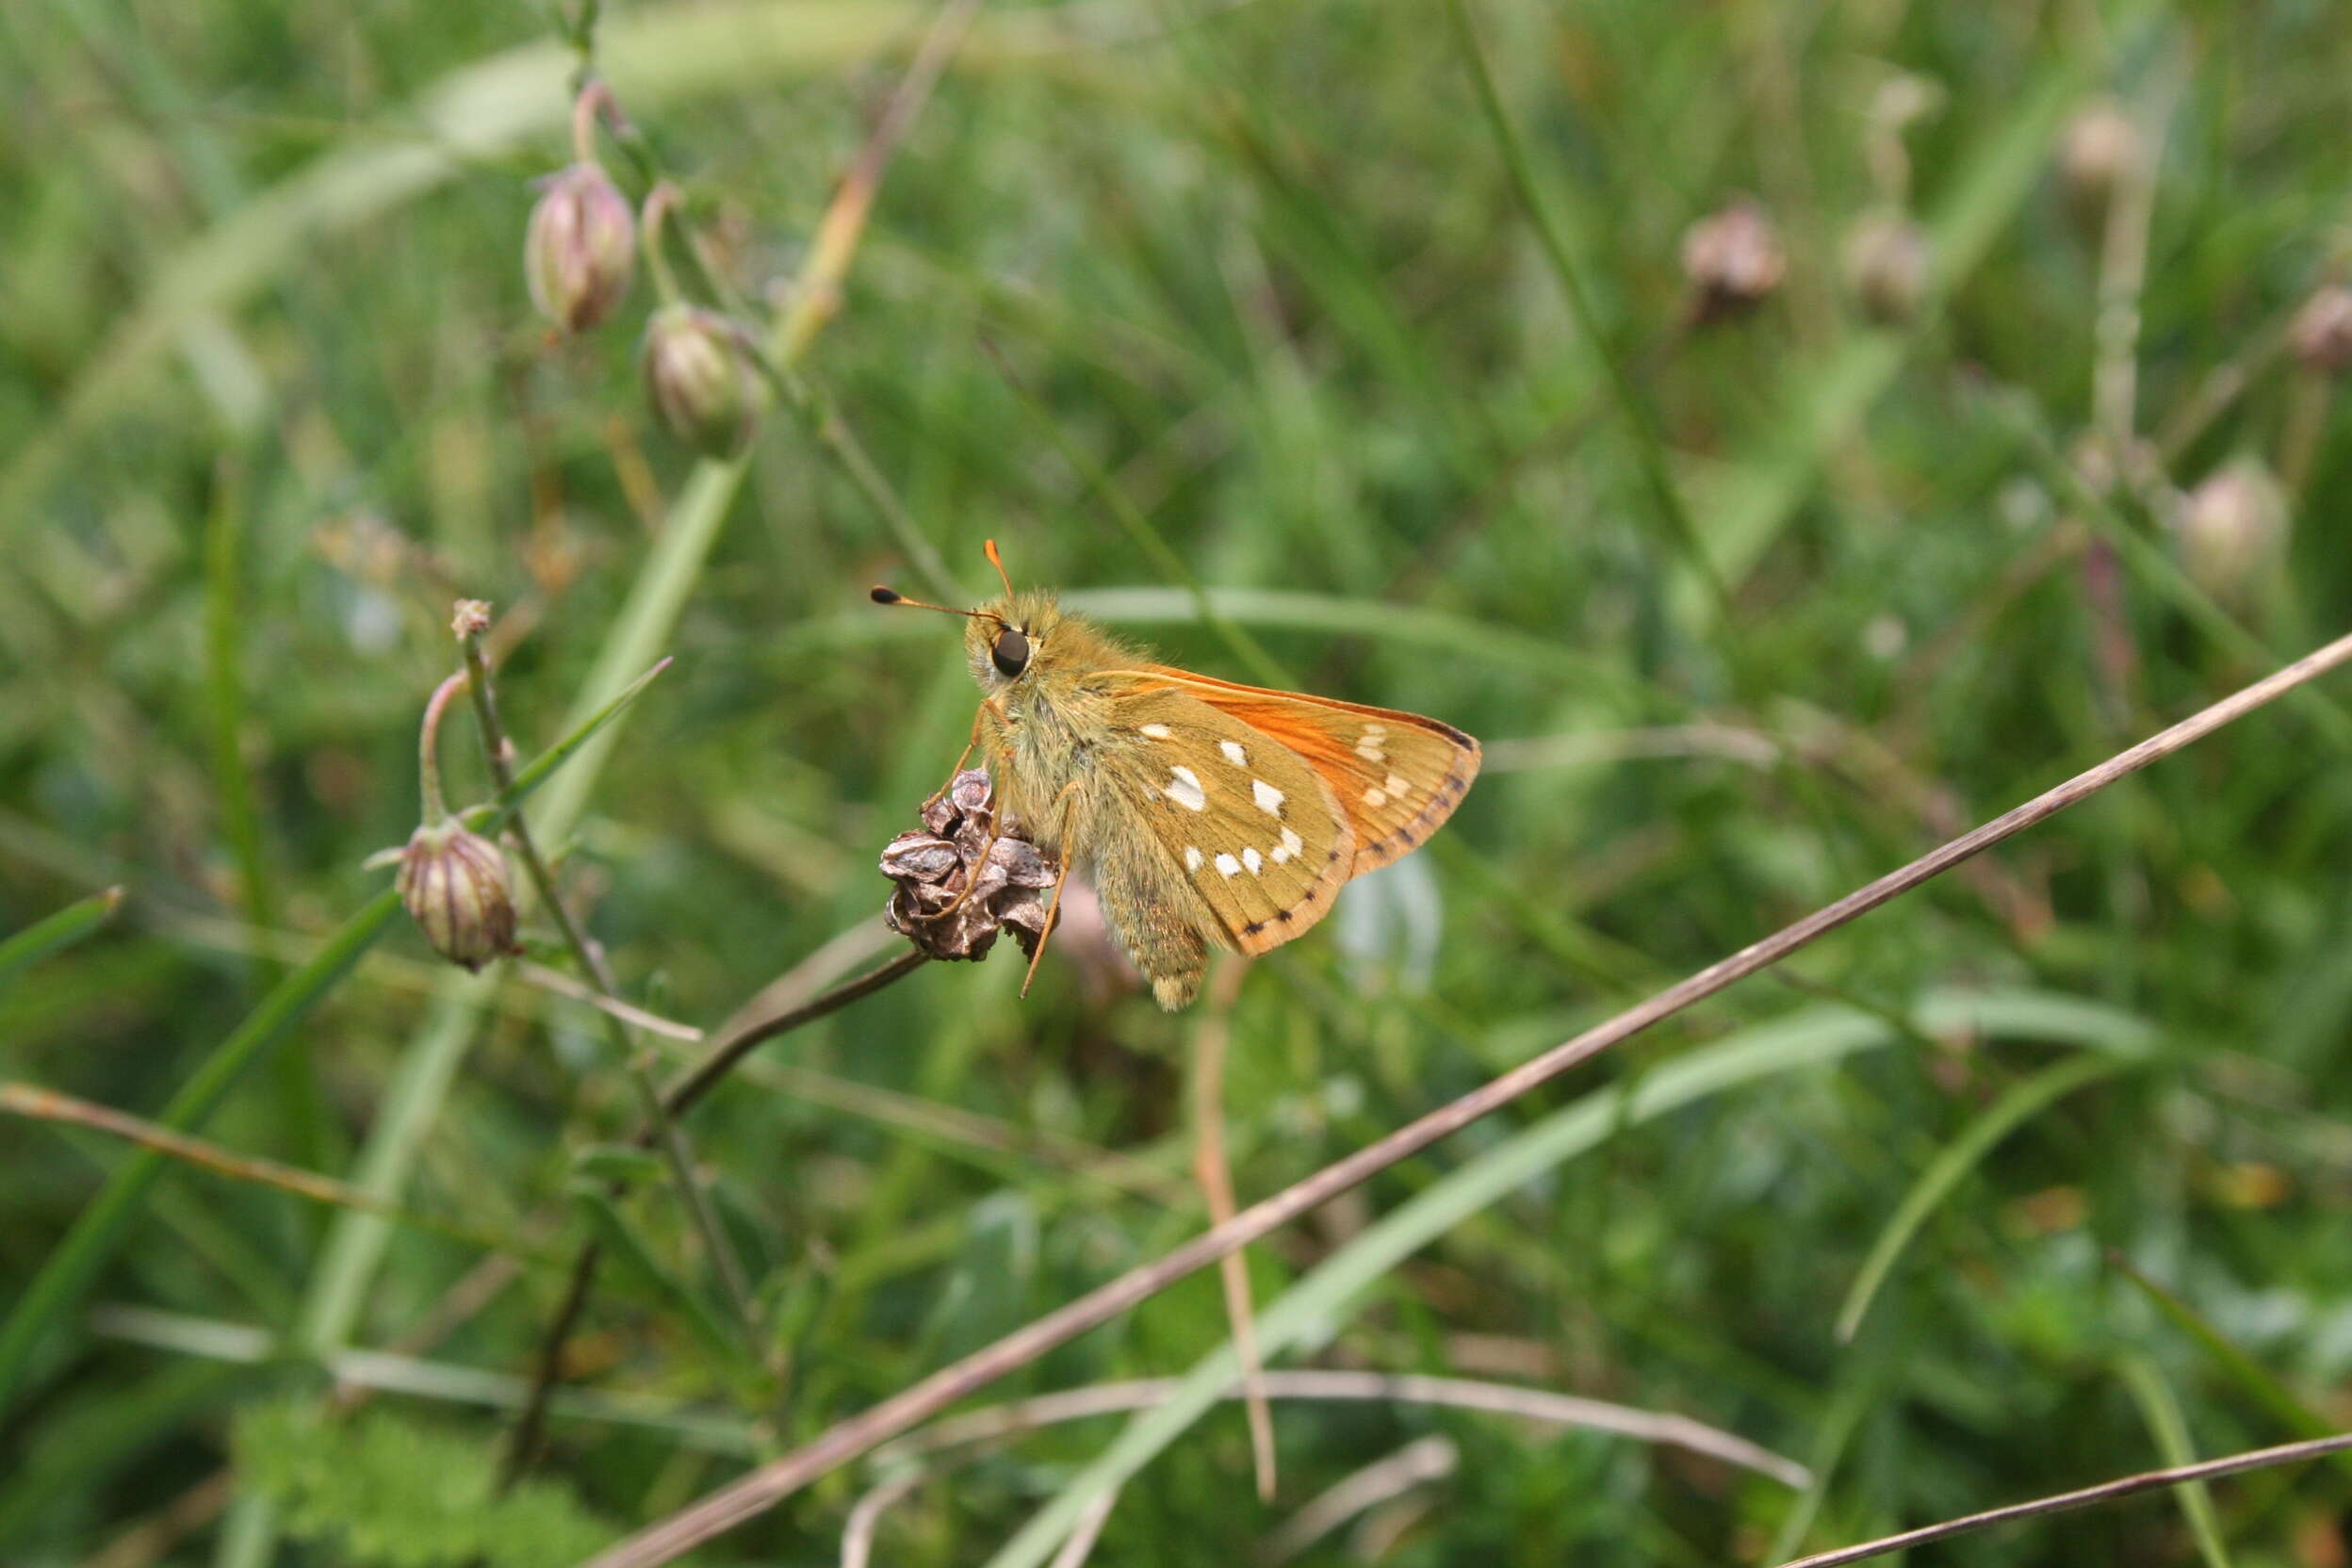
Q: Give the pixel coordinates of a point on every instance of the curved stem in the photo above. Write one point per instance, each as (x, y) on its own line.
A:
(659, 201)
(429, 748)
(595, 99)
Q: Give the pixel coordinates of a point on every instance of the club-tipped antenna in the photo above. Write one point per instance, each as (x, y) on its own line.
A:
(998, 561)
(891, 595)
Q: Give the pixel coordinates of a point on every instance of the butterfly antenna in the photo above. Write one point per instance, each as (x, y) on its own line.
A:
(891, 595)
(998, 561)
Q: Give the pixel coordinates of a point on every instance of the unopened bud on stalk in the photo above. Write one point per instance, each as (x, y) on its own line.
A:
(1733, 259)
(2103, 148)
(1887, 266)
(2321, 334)
(2230, 526)
(453, 884)
(581, 250)
(699, 379)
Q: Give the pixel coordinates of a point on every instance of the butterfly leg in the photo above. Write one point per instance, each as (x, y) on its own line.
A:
(1052, 913)
(979, 718)
(1055, 814)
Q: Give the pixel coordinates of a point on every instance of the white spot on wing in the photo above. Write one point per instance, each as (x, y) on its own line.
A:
(1291, 846)
(1255, 861)
(1156, 732)
(1370, 753)
(1375, 796)
(1398, 787)
(1234, 753)
(1186, 792)
(1192, 858)
(1230, 866)
(1269, 799)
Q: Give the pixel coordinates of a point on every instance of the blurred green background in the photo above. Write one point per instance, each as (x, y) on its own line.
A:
(2035, 444)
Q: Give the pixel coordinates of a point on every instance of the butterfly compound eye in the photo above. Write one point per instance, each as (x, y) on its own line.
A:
(1011, 652)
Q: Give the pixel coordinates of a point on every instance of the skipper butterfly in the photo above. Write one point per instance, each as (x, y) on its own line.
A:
(1210, 812)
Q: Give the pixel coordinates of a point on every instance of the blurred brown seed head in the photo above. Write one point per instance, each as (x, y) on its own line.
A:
(2101, 149)
(699, 379)
(453, 884)
(2321, 334)
(2231, 528)
(1888, 259)
(1733, 260)
(580, 252)
(1008, 879)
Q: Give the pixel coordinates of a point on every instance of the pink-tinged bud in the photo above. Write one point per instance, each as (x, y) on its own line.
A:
(1887, 266)
(2231, 529)
(2321, 335)
(453, 884)
(1733, 259)
(582, 251)
(699, 379)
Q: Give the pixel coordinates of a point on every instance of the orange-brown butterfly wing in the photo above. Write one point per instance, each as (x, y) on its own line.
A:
(1255, 833)
(1395, 776)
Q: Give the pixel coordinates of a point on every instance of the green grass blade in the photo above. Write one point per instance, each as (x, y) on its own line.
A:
(1649, 443)
(337, 1288)
(2253, 1379)
(2162, 1412)
(635, 1261)
(2019, 1104)
(69, 1269)
(1814, 1038)
(56, 932)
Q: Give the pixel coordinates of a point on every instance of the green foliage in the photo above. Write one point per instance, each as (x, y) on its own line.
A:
(1268, 335)
(385, 1490)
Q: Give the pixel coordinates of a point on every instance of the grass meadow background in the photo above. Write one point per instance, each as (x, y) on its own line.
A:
(2066, 1140)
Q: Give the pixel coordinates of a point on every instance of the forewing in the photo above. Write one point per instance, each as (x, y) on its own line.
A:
(1254, 830)
(1397, 776)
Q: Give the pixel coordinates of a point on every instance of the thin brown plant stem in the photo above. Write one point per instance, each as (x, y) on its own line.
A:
(41, 1104)
(530, 1428)
(1660, 1429)
(1424, 1458)
(1215, 1173)
(592, 963)
(817, 292)
(754, 1493)
(683, 1095)
(523, 1445)
(1079, 1544)
(152, 1539)
(2105, 1492)
(866, 1516)
(1542, 1406)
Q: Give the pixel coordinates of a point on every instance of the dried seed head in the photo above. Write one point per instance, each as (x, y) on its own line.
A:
(1733, 259)
(1008, 879)
(2321, 334)
(698, 380)
(453, 884)
(2231, 527)
(580, 252)
(1887, 266)
(2103, 148)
